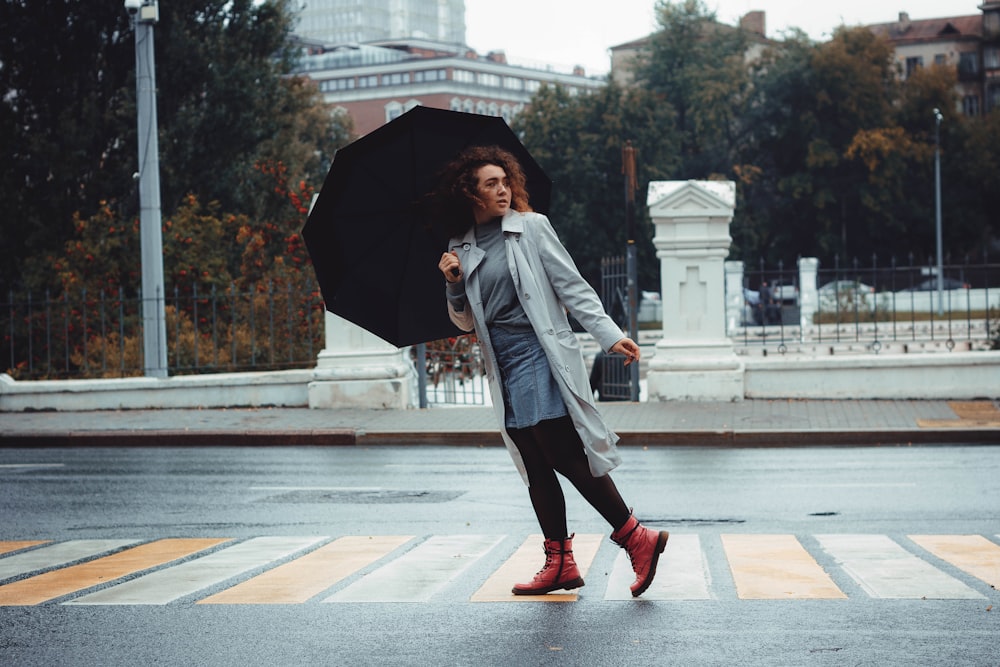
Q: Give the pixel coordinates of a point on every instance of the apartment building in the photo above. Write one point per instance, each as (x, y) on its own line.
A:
(377, 81)
(971, 44)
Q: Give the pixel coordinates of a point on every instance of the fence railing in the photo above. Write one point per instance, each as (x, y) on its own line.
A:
(869, 307)
(93, 335)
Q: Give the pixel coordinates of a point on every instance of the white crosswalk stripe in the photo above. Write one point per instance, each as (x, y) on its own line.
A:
(884, 569)
(682, 573)
(418, 575)
(398, 568)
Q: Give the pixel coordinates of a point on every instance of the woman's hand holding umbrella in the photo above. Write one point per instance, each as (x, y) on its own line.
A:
(451, 267)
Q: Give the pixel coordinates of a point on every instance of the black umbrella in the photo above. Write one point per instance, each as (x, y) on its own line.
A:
(373, 244)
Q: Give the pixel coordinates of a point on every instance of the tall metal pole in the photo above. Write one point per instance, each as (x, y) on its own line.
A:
(631, 268)
(937, 210)
(154, 321)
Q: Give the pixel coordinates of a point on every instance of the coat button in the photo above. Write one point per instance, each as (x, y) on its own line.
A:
(527, 296)
(550, 332)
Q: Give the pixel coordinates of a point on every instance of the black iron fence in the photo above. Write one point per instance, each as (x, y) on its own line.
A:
(92, 335)
(874, 303)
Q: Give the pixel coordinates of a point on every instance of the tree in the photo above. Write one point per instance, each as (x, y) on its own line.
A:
(225, 102)
(578, 140)
(698, 67)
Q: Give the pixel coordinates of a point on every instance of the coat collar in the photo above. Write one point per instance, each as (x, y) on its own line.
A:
(513, 223)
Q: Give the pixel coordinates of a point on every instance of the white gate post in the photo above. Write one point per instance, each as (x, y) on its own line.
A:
(695, 359)
(357, 369)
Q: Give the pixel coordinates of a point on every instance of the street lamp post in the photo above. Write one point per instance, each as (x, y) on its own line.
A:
(145, 14)
(937, 210)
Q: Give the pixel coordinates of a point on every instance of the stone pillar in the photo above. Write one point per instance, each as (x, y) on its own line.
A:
(736, 302)
(695, 359)
(808, 294)
(357, 369)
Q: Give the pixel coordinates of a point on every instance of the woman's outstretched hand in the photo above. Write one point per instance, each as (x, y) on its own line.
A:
(451, 267)
(627, 347)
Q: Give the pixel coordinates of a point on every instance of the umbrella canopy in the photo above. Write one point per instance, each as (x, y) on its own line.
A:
(373, 244)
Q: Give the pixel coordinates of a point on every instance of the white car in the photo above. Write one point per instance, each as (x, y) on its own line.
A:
(846, 294)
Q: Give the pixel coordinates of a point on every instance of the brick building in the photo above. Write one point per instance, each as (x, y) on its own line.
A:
(377, 81)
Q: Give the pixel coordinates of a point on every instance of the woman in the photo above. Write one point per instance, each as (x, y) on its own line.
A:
(511, 280)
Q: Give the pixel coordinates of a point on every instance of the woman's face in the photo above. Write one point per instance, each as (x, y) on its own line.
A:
(493, 192)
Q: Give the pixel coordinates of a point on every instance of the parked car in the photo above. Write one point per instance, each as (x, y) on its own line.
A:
(931, 284)
(845, 293)
(784, 293)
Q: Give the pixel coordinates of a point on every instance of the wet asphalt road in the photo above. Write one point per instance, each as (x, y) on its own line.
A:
(240, 493)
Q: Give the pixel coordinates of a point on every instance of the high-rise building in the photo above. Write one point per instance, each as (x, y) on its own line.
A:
(359, 21)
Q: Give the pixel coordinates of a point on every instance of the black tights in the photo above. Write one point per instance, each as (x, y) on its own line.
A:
(553, 446)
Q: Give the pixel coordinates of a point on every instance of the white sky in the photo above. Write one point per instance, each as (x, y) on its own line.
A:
(564, 33)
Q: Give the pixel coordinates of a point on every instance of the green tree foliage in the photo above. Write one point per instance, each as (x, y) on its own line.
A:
(578, 140)
(224, 105)
(697, 67)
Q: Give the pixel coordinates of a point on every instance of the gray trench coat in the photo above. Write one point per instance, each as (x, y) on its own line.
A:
(547, 283)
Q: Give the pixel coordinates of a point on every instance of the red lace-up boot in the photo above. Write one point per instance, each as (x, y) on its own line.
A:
(644, 547)
(560, 570)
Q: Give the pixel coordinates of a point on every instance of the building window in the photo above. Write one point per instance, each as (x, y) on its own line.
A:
(913, 63)
(393, 110)
(331, 85)
(463, 76)
(991, 57)
(968, 63)
(532, 86)
(970, 105)
(430, 75)
(513, 83)
(456, 104)
(993, 98)
(469, 106)
(491, 80)
(396, 79)
(368, 81)
(940, 59)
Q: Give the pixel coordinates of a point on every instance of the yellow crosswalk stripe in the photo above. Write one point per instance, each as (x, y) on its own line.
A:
(57, 583)
(527, 560)
(973, 554)
(7, 547)
(776, 567)
(311, 574)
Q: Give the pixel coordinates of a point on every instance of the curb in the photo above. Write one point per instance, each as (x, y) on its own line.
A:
(346, 437)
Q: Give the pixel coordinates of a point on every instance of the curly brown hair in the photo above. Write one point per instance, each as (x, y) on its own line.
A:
(456, 193)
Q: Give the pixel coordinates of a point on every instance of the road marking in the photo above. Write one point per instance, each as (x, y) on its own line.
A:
(973, 554)
(419, 574)
(56, 555)
(764, 567)
(17, 466)
(884, 569)
(311, 574)
(14, 545)
(682, 573)
(971, 414)
(523, 565)
(187, 578)
(776, 567)
(58, 583)
(317, 488)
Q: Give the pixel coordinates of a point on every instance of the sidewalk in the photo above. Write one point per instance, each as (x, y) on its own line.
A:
(751, 423)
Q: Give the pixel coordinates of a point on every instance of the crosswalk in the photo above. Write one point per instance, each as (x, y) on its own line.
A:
(418, 569)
